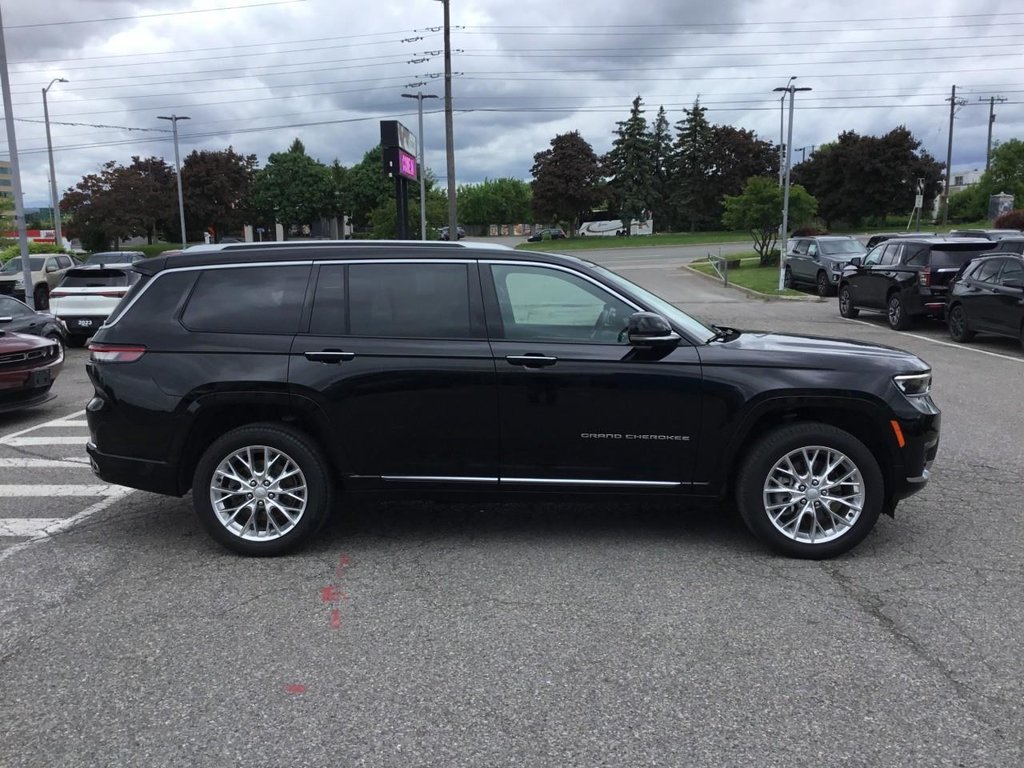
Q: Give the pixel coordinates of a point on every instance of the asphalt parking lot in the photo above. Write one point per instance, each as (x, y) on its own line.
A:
(418, 634)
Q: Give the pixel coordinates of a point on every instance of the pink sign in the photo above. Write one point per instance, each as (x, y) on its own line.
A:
(406, 164)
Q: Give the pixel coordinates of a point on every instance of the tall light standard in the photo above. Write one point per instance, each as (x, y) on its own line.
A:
(791, 90)
(449, 139)
(54, 200)
(177, 170)
(423, 187)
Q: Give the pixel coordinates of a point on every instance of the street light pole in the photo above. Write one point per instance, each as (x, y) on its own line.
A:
(419, 96)
(54, 200)
(449, 139)
(791, 90)
(177, 171)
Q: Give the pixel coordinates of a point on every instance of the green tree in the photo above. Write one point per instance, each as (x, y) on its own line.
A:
(495, 201)
(737, 155)
(694, 200)
(364, 187)
(759, 211)
(661, 145)
(292, 188)
(629, 166)
(566, 180)
(216, 186)
(1006, 171)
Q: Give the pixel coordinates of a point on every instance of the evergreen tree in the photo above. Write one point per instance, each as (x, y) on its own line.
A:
(694, 201)
(630, 167)
(661, 144)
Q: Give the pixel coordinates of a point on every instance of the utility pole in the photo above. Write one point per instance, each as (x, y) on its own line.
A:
(58, 237)
(449, 138)
(177, 170)
(791, 90)
(991, 119)
(782, 135)
(12, 146)
(953, 104)
(419, 96)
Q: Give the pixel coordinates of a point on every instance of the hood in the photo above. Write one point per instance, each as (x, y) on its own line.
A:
(19, 342)
(786, 350)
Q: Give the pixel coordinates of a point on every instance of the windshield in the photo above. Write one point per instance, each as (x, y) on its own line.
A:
(841, 247)
(14, 265)
(656, 303)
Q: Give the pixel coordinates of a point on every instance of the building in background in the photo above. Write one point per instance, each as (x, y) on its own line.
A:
(6, 190)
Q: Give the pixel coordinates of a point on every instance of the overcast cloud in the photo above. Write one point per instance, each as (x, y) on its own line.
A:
(259, 74)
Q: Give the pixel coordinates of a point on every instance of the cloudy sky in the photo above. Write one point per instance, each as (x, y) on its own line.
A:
(255, 74)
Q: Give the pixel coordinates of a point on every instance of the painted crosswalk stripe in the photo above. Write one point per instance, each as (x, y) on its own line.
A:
(47, 491)
(4, 440)
(68, 463)
(54, 440)
(27, 526)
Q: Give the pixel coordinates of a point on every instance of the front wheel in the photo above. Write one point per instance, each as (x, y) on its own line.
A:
(897, 315)
(810, 490)
(262, 489)
(846, 305)
(787, 278)
(959, 328)
(824, 285)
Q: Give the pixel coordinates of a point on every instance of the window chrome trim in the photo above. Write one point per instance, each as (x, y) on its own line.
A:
(437, 479)
(603, 483)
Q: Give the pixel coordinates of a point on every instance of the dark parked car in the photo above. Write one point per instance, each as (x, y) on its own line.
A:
(1010, 245)
(987, 234)
(881, 237)
(277, 380)
(906, 279)
(18, 317)
(988, 297)
(28, 367)
(459, 233)
(550, 233)
(819, 261)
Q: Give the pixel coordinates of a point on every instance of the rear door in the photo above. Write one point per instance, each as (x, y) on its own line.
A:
(860, 279)
(1008, 298)
(395, 354)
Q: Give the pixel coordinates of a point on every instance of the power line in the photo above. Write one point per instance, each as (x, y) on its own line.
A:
(150, 15)
(689, 25)
(652, 30)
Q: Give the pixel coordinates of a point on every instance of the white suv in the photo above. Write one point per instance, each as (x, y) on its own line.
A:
(87, 295)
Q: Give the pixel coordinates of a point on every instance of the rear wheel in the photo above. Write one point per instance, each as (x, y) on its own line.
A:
(787, 278)
(846, 307)
(959, 328)
(262, 489)
(53, 336)
(896, 313)
(810, 490)
(824, 285)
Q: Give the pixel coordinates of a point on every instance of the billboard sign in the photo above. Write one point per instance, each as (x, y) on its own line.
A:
(394, 134)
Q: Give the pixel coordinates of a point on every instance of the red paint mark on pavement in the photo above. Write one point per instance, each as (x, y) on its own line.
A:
(295, 688)
(335, 619)
(329, 594)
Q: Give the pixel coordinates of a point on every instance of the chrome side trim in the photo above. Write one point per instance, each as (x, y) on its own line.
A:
(604, 483)
(437, 479)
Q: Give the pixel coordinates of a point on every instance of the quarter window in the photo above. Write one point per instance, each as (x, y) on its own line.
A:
(1013, 272)
(539, 304)
(265, 300)
(891, 254)
(420, 301)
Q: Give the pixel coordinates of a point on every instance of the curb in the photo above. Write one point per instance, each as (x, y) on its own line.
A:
(750, 291)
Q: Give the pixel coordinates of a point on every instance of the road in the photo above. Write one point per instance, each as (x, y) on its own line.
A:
(417, 634)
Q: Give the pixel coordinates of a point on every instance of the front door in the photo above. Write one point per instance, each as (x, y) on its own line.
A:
(578, 406)
(396, 356)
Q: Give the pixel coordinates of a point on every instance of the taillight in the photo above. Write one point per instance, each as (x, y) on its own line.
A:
(115, 353)
(924, 277)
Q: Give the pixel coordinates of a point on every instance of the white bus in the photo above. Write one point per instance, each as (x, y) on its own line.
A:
(614, 227)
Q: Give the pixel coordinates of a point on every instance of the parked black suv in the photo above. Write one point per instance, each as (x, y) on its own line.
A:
(270, 378)
(1010, 245)
(906, 278)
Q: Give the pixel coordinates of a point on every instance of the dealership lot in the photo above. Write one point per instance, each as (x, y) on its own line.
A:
(551, 634)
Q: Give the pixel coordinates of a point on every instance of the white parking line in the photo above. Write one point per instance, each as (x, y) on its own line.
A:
(27, 526)
(33, 428)
(43, 463)
(964, 347)
(55, 440)
(45, 491)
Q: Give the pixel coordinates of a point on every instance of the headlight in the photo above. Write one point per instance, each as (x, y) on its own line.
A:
(914, 384)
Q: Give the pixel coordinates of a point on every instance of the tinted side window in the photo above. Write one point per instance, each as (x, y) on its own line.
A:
(423, 301)
(248, 300)
(800, 246)
(891, 255)
(875, 255)
(916, 255)
(1013, 271)
(987, 271)
(12, 307)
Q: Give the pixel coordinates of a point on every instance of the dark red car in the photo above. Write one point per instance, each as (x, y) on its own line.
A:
(28, 367)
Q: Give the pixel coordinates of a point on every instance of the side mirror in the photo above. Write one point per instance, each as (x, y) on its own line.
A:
(856, 261)
(51, 267)
(649, 329)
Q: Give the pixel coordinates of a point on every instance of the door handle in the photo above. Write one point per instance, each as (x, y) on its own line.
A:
(329, 356)
(531, 360)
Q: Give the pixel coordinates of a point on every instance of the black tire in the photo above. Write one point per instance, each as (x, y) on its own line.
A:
(41, 297)
(896, 313)
(77, 340)
(787, 278)
(54, 336)
(823, 284)
(295, 447)
(959, 327)
(846, 306)
(757, 469)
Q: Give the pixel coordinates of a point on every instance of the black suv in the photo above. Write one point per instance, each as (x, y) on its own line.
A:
(272, 379)
(906, 278)
(1010, 245)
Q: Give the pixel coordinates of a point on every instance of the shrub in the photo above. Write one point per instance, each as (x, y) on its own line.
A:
(12, 251)
(1011, 220)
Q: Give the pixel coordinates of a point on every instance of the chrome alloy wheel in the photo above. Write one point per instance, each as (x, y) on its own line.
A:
(814, 494)
(258, 493)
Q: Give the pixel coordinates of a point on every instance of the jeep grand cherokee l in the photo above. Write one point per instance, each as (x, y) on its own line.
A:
(275, 380)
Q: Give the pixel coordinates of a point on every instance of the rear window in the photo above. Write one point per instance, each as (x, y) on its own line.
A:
(98, 278)
(955, 257)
